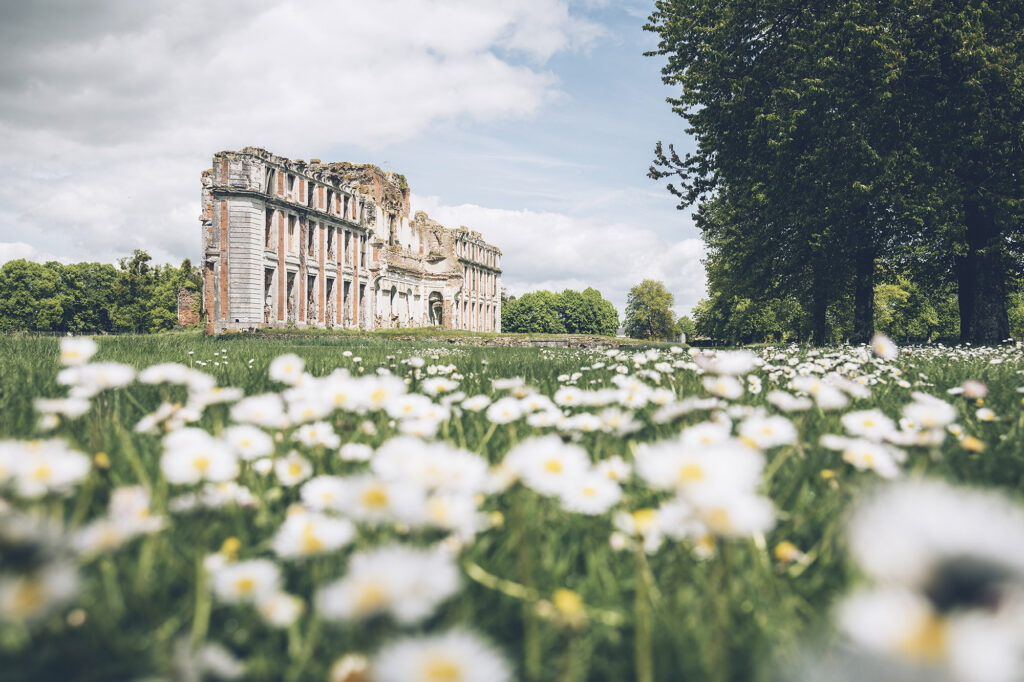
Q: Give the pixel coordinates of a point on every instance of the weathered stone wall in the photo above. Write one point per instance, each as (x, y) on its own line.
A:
(286, 242)
(188, 308)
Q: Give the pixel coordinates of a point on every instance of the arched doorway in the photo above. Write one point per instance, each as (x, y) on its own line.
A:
(435, 306)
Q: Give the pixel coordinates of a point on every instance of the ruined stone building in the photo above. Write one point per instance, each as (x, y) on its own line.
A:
(331, 245)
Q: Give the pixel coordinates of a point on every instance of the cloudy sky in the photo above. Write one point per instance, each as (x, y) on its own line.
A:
(532, 121)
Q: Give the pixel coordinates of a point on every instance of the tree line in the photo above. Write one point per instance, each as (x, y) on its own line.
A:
(648, 313)
(857, 164)
(568, 312)
(134, 296)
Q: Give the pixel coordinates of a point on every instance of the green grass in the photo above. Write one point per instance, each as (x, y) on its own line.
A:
(729, 617)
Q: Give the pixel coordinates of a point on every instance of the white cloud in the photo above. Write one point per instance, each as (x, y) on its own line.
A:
(110, 109)
(15, 250)
(544, 250)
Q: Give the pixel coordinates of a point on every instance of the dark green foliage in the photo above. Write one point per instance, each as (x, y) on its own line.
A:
(30, 296)
(649, 311)
(684, 325)
(570, 312)
(92, 297)
(738, 320)
(838, 139)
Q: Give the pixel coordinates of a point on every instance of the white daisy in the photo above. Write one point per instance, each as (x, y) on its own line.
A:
(246, 581)
(456, 655)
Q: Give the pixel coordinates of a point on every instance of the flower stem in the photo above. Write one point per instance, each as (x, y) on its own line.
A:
(308, 643)
(115, 600)
(524, 556)
(720, 646)
(487, 437)
(133, 459)
(201, 616)
(642, 610)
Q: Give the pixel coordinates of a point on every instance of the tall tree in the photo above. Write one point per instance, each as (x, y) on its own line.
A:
(779, 98)
(649, 311)
(844, 132)
(133, 291)
(963, 94)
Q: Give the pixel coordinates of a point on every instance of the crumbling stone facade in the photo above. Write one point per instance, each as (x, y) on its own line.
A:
(331, 245)
(187, 308)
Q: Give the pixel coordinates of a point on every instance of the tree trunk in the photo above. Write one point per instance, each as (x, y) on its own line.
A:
(864, 294)
(981, 280)
(819, 305)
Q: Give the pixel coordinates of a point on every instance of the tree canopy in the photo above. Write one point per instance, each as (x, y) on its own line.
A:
(93, 297)
(649, 311)
(835, 139)
(569, 312)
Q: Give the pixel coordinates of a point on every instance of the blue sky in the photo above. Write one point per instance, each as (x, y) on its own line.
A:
(532, 121)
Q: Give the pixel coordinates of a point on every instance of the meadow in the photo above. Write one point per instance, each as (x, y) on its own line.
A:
(354, 508)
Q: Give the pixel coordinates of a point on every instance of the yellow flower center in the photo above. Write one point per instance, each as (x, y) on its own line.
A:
(589, 491)
(553, 466)
(230, 546)
(378, 395)
(973, 444)
(294, 468)
(442, 669)
(29, 597)
(691, 472)
(371, 598)
(644, 519)
(718, 520)
(311, 544)
(438, 510)
(928, 641)
(786, 551)
(375, 498)
(201, 464)
(42, 472)
(245, 585)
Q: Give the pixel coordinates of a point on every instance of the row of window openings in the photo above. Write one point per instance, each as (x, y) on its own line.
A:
(312, 243)
(312, 300)
(478, 253)
(347, 208)
(472, 276)
(478, 316)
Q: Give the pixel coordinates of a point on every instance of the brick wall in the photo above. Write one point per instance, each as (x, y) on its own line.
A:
(187, 307)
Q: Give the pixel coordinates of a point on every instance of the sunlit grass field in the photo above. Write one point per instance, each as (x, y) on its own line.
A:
(617, 593)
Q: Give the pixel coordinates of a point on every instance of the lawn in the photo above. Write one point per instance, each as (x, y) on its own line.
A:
(476, 513)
